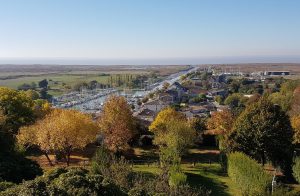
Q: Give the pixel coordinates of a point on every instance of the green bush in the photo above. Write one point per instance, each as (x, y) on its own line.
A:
(112, 168)
(15, 168)
(248, 175)
(33, 187)
(65, 182)
(5, 185)
(284, 191)
(296, 169)
(177, 178)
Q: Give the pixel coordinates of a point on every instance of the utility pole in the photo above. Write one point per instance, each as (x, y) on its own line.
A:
(274, 181)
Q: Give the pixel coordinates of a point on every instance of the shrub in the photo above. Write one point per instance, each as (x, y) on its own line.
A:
(190, 191)
(101, 161)
(177, 178)
(55, 173)
(248, 175)
(15, 168)
(65, 182)
(114, 169)
(296, 169)
(33, 187)
(284, 191)
(5, 185)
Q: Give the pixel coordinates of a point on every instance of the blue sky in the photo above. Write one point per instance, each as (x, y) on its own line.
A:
(149, 30)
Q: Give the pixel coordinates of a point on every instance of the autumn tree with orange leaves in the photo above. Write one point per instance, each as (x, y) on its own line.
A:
(295, 107)
(295, 121)
(222, 122)
(61, 131)
(117, 124)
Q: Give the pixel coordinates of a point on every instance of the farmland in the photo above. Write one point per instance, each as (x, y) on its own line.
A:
(61, 79)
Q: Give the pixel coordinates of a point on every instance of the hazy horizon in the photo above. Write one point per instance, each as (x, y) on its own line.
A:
(153, 61)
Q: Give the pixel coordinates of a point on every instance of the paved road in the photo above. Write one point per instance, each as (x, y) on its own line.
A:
(171, 79)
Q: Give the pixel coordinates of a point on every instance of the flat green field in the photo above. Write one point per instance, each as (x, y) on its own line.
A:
(66, 78)
(56, 80)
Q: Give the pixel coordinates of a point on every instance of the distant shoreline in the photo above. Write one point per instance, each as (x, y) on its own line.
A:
(152, 61)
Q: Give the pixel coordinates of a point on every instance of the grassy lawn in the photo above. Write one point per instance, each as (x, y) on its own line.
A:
(210, 176)
(200, 165)
(206, 172)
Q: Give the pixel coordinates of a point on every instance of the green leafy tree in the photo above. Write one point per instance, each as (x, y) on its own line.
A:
(284, 98)
(43, 83)
(44, 94)
(17, 108)
(173, 134)
(236, 102)
(24, 87)
(199, 125)
(172, 130)
(13, 165)
(79, 86)
(263, 131)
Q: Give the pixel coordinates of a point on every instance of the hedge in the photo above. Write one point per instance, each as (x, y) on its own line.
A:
(249, 177)
(296, 169)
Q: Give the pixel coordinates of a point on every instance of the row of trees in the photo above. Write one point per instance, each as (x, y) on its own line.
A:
(262, 131)
(60, 132)
(32, 86)
(264, 127)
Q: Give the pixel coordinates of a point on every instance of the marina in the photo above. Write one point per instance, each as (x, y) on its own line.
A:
(91, 101)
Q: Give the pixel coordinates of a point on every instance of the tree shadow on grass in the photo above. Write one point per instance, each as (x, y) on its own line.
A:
(217, 188)
(144, 156)
(201, 156)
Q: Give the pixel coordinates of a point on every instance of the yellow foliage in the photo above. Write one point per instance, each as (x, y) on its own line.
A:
(2, 118)
(222, 121)
(295, 121)
(172, 129)
(60, 131)
(163, 117)
(295, 107)
(116, 123)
